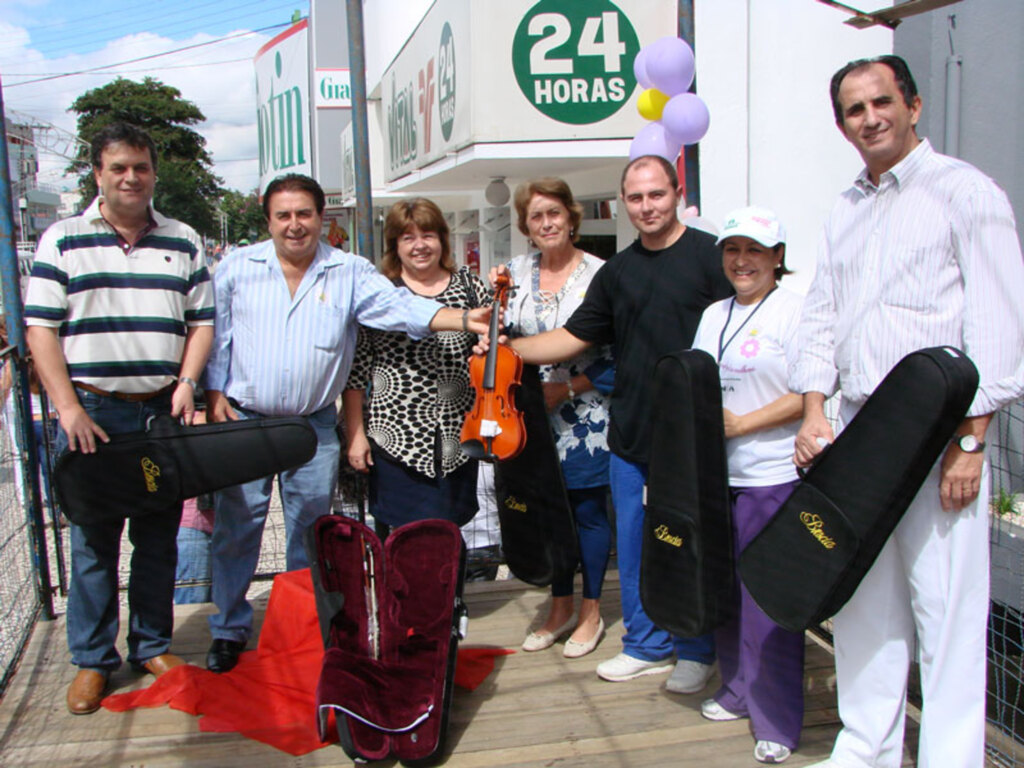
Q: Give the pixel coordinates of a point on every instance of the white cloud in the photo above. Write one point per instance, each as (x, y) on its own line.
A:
(224, 92)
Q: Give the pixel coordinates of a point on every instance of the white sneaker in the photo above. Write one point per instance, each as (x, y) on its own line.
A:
(689, 677)
(625, 667)
(712, 710)
(773, 752)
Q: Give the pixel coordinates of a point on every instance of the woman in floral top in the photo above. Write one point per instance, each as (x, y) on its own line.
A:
(552, 283)
(419, 391)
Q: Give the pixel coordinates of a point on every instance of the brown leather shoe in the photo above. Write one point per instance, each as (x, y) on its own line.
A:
(160, 664)
(86, 692)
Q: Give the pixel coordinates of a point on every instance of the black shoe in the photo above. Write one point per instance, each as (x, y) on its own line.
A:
(223, 654)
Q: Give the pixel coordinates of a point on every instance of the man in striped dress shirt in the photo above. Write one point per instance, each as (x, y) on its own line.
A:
(120, 321)
(288, 310)
(921, 251)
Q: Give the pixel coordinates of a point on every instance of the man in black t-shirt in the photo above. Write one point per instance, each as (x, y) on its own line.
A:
(647, 301)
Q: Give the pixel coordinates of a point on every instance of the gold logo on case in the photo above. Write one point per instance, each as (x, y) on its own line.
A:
(515, 504)
(816, 526)
(151, 472)
(661, 534)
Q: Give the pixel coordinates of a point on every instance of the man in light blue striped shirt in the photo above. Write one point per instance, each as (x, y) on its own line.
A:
(287, 315)
(921, 251)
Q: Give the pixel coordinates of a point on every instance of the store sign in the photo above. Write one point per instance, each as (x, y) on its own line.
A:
(425, 104)
(574, 61)
(332, 89)
(282, 92)
(446, 81)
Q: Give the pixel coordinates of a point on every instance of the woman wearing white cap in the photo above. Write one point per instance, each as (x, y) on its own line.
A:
(753, 336)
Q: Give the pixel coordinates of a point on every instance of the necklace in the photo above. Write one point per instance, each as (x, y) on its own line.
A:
(544, 301)
(723, 344)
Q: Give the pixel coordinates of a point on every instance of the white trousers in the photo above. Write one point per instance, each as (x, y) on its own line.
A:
(931, 578)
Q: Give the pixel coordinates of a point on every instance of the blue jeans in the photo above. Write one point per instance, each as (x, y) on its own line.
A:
(193, 565)
(643, 640)
(92, 617)
(241, 513)
(594, 533)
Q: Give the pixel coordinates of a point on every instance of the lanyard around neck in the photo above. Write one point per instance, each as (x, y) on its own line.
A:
(723, 344)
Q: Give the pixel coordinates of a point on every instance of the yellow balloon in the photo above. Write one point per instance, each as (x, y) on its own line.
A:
(650, 104)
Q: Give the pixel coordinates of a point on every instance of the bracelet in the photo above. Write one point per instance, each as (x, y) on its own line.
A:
(465, 325)
(187, 380)
(572, 392)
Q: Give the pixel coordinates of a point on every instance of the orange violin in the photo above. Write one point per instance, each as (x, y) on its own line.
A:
(494, 429)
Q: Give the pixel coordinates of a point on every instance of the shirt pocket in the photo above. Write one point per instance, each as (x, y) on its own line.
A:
(920, 277)
(329, 328)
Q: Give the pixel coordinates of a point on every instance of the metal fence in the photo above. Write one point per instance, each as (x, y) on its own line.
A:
(1005, 705)
(19, 599)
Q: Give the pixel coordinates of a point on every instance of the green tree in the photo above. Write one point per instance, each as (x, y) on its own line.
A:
(245, 219)
(186, 188)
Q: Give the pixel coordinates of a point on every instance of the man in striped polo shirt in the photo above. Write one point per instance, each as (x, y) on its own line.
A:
(120, 322)
(920, 252)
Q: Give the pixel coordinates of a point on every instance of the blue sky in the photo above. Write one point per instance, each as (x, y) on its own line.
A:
(42, 38)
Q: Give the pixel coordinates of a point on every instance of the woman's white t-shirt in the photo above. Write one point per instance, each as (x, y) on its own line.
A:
(753, 367)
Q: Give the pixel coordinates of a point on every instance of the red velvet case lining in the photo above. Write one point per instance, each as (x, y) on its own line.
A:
(401, 693)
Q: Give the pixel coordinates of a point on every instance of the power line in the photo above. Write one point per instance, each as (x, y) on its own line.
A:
(166, 22)
(151, 56)
(132, 71)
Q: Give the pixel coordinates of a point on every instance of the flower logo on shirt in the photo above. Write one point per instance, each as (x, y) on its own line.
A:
(750, 348)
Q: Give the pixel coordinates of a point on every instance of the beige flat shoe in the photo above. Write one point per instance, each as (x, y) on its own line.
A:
(538, 641)
(574, 649)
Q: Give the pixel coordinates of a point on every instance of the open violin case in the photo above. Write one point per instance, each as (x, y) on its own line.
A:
(391, 615)
(150, 471)
(687, 570)
(808, 561)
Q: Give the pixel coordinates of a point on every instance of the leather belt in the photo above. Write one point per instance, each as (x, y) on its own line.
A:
(130, 397)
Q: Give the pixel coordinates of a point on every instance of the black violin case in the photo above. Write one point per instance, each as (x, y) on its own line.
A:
(141, 473)
(687, 572)
(808, 561)
(538, 530)
(391, 615)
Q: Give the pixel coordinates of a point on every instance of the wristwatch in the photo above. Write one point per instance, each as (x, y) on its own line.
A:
(969, 444)
(187, 380)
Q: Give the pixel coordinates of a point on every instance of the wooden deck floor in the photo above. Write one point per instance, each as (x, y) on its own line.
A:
(535, 709)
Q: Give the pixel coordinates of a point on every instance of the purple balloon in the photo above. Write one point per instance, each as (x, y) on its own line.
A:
(669, 65)
(686, 118)
(653, 139)
(640, 69)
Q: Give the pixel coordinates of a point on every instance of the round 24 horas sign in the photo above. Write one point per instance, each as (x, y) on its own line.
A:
(573, 59)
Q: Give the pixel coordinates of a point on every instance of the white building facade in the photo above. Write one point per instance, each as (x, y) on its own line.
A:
(463, 93)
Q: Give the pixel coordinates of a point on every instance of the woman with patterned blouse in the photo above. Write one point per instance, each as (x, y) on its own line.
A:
(419, 391)
(552, 283)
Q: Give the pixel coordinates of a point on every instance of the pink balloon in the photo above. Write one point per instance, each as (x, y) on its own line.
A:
(669, 65)
(686, 118)
(653, 139)
(640, 69)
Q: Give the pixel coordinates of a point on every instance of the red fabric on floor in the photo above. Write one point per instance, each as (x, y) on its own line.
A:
(474, 665)
(270, 695)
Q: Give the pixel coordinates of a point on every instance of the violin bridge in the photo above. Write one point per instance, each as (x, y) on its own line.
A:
(489, 428)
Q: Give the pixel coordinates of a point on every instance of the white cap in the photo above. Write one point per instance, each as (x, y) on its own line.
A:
(758, 224)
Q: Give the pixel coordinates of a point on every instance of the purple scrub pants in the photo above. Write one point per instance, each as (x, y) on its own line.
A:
(761, 664)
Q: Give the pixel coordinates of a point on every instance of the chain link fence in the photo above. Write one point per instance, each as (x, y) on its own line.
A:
(1005, 704)
(19, 600)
